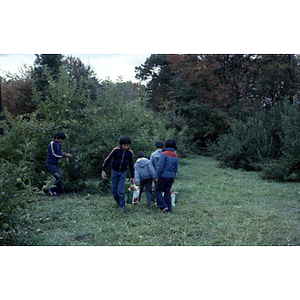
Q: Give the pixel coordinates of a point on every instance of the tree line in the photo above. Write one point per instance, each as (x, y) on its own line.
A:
(208, 93)
(203, 93)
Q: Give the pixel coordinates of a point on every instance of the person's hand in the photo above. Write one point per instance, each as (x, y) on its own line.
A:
(132, 181)
(155, 179)
(68, 155)
(137, 183)
(103, 175)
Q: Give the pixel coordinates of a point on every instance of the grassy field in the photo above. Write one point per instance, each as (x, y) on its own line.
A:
(216, 207)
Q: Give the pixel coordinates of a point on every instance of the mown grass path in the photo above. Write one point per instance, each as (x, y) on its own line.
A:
(216, 207)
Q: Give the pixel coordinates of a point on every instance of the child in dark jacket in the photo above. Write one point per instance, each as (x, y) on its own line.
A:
(143, 176)
(165, 174)
(53, 157)
(122, 158)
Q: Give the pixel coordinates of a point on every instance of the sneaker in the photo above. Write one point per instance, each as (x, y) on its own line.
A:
(123, 209)
(54, 194)
(164, 209)
(149, 206)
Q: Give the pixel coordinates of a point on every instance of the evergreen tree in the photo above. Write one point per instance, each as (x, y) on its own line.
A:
(157, 73)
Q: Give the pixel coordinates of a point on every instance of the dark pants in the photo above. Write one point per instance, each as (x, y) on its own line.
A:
(163, 185)
(54, 170)
(148, 183)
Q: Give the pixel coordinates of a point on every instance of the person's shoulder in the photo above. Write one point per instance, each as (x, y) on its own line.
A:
(115, 148)
(170, 152)
(156, 153)
(130, 151)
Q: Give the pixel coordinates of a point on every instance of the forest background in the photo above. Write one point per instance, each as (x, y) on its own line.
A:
(243, 109)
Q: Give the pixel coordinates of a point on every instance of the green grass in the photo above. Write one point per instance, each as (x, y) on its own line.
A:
(216, 207)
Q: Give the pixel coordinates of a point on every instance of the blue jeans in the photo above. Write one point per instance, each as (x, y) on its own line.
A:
(118, 187)
(54, 169)
(148, 183)
(163, 185)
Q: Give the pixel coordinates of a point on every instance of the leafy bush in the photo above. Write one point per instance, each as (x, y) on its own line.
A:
(93, 128)
(268, 141)
(287, 167)
(246, 145)
(250, 144)
(17, 196)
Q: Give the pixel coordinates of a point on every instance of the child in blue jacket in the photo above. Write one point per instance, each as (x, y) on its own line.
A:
(122, 158)
(154, 158)
(143, 176)
(165, 174)
(53, 157)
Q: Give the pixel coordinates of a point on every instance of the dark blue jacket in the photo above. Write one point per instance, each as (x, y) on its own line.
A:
(168, 164)
(54, 153)
(121, 159)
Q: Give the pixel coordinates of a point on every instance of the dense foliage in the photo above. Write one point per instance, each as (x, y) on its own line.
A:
(93, 127)
(268, 141)
(17, 196)
(208, 93)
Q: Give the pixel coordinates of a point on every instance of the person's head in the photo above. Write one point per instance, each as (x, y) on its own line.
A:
(125, 142)
(159, 145)
(141, 154)
(170, 144)
(59, 137)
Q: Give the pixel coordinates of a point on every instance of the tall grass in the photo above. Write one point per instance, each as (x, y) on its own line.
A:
(217, 206)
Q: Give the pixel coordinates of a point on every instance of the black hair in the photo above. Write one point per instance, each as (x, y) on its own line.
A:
(170, 144)
(125, 140)
(159, 144)
(141, 154)
(60, 135)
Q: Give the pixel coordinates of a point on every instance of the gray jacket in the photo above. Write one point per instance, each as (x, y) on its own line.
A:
(154, 159)
(141, 169)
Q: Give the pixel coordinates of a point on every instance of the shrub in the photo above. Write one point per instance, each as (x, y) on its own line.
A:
(250, 144)
(17, 196)
(287, 167)
(269, 141)
(93, 128)
(246, 145)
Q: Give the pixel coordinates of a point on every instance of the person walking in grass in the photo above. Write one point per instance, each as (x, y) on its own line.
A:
(165, 174)
(53, 157)
(122, 158)
(143, 177)
(154, 159)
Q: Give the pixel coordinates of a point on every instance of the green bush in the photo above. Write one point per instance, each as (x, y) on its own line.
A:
(17, 198)
(287, 167)
(93, 129)
(246, 146)
(250, 144)
(268, 141)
